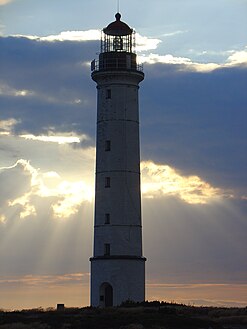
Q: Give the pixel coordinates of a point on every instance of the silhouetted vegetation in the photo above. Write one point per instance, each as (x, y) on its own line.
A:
(130, 315)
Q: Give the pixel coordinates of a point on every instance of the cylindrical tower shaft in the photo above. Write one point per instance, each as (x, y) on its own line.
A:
(117, 265)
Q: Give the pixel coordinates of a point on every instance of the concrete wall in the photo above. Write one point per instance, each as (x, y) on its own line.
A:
(118, 123)
(127, 278)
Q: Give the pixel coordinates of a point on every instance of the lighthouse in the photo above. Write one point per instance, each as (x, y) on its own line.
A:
(117, 265)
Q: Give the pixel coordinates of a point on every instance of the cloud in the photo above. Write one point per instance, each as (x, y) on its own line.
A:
(193, 137)
(66, 197)
(6, 126)
(67, 138)
(144, 43)
(2, 219)
(37, 209)
(7, 90)
(184, 62)
(33, 291)
(171, 34)
(44, 280)
(195, 122)
(5, 2)
(238, 57)
(204, 243)
(184, 101)
(16, 180)
(162, 180)
(76, 285)
(217, 295)
(66, 36)
(166, 59)
(61, 97)
(63, 101)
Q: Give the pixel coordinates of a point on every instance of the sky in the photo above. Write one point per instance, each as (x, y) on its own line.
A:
(193, 128)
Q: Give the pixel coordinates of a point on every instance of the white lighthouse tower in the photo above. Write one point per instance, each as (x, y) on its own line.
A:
(117, 265)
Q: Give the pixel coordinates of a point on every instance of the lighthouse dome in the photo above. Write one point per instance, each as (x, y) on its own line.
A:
(118, 28)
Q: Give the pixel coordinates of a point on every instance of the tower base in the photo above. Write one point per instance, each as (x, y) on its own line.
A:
(115, 280)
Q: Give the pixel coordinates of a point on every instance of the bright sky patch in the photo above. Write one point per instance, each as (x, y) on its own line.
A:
(4, 2)
(56, 138)
(162, 180)
(6, 126)
(65, 196)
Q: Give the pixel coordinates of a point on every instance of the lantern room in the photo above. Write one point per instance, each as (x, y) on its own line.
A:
(117, 48)
(117, 36)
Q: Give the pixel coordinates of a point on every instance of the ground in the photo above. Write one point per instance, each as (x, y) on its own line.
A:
(146, 316)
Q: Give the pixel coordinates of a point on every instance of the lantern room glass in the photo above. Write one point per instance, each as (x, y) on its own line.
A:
(117, 43)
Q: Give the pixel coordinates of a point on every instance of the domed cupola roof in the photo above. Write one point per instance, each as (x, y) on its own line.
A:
(118, 28)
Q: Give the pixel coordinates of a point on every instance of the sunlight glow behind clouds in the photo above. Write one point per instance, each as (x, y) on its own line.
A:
(89, 35)
(5, 2)
(52, 280)
(76, 285)
(203, 116)
(27, 208)
(10, 91)
(161, 180)
(72, 195)
(166, 59)
(6, 126)
(68, 195)
(239, 57)
(2, 219)
(236, 58)
(73, 36)
(143, 43)
(170, 59)
(60, 139)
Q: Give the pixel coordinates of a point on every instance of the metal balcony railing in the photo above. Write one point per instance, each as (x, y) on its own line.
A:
(114, 65)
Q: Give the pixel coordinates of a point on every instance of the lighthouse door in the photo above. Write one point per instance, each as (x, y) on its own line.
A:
(106, 295)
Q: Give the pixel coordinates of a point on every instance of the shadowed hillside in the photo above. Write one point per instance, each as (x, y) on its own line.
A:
(153, 315)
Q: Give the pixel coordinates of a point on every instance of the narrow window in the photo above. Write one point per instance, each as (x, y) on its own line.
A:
(107, 218)
(107, 182)
(107, 249)
(108, 93)
(107, 145)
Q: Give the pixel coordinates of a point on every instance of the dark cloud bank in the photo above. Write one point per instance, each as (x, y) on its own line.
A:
(197, 120)
(193, 121)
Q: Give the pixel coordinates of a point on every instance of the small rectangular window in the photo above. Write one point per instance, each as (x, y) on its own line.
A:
(107, 145)
(107, 218)
(107, 182)
(108, 93)
(128, 61)
(107, 249)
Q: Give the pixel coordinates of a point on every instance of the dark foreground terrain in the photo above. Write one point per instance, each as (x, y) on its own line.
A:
(152, 315)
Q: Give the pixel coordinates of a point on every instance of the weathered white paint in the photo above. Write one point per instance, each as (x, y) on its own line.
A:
(118, 122)
(127, 278)
(118, 274)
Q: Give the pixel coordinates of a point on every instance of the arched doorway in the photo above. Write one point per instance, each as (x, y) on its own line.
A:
(106, 295)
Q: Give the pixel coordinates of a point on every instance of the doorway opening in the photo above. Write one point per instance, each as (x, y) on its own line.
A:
(106, 295)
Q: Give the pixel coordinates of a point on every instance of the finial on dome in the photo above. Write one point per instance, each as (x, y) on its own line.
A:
(118, 16)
